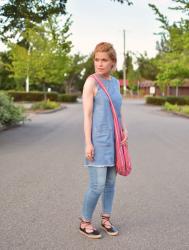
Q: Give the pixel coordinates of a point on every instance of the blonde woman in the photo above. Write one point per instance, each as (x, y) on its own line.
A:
(99, 140)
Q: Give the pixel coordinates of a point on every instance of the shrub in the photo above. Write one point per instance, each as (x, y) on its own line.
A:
(156, 100)
(45, 105)
(185, 110)
(9, 113)
(67, 98)
(160, 100)
(171, 107)
(32, 96)
(180, 100)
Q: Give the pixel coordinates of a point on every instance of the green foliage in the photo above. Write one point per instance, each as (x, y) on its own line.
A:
(185, 110)
(180, 100)
(184, 5)
(124, 1)
(31, 96)
(88, 67)
(147, 67)
(160, 100)
(6, 82)
(171, 107)
(175, 108)
(18, 15)
(45, 105)
(9, 113)
(46, 61)
(67, 98)
(173, 59)
(74, 74)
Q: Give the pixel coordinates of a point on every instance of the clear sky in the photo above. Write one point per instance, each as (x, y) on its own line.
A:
(104, 20)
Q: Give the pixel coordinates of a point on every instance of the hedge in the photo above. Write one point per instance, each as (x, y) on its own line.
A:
(67, 98)
(37, 96)
(161, 100)
(31, 96)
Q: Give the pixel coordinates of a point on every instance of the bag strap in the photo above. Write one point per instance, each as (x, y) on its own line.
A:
(116, 121)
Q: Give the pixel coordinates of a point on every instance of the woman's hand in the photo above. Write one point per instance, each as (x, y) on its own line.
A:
(89, 152)
(125, 137)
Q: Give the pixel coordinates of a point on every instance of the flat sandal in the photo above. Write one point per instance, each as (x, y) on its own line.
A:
(93, 234)
(108, 227)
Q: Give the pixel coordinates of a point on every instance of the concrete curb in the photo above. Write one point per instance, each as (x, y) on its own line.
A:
(11, 126)
(32, 112)
(48, 111)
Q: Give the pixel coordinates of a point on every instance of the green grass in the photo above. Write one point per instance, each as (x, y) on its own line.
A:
(176, 108)
(45, 105)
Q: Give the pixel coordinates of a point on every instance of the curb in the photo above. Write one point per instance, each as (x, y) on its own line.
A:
(34, 112)
(48, 111)
(11, 126)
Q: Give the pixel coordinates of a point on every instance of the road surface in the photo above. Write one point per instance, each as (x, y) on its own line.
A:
(42, 183)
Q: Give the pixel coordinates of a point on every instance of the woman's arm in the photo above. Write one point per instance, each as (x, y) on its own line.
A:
(87, 99)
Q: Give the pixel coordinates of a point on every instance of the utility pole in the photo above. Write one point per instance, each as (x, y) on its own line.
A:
(124, 66)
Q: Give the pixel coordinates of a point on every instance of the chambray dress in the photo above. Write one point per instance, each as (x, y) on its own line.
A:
(102, 134)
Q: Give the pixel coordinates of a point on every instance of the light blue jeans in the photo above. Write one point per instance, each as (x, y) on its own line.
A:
(101, 181)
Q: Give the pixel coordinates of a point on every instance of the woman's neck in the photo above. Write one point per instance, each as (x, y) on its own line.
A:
(106, 77)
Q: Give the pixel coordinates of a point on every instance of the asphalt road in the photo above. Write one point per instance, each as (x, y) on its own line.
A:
(42, 183)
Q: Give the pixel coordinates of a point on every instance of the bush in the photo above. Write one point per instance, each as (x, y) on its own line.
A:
(32, 96)
(180, 100)
(171, 107)
(175, 108)
(185, 110)
(160, 100)
(156, 100)
(45, 105)
(67, 98)
(9, 113)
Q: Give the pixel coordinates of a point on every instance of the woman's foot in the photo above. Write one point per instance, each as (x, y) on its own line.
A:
(88, 230)
(108, 227)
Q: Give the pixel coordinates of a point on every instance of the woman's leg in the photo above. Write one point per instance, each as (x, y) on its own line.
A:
(109, 190)
(97, 180)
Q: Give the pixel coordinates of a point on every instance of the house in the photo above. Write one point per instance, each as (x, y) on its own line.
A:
(146, 84)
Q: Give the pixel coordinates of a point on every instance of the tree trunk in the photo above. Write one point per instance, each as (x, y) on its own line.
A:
(177, 90)
(44, 92)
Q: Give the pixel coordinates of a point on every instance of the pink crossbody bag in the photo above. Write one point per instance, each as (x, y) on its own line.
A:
(122, 157)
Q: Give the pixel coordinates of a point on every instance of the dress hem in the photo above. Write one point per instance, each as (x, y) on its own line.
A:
(109, 165)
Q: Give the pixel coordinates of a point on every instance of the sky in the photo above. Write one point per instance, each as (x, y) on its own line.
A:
(105, 20)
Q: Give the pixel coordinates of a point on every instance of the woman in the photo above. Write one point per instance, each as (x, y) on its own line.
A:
(99, 140)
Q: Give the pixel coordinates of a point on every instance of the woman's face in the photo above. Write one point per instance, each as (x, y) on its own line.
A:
(103, 63)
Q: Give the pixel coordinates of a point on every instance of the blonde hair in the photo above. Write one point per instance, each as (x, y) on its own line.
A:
(108, 48)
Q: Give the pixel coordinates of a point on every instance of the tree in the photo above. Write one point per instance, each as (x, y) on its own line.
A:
(48, 59)
(147, 67)
(74, 73)
(173, 57)
(184, 5)
(18, 15)
(6, 82)
(124, 1)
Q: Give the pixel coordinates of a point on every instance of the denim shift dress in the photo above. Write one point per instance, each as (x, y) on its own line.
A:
(102, 134)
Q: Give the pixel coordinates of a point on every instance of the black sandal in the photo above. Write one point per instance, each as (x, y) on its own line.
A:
(94, 234)
(109, 229)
